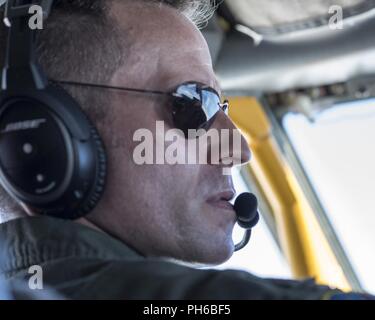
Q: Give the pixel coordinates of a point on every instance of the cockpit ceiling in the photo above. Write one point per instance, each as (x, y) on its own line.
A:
(282, 16)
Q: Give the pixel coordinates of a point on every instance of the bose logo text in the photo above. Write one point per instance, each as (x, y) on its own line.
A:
(23, 125)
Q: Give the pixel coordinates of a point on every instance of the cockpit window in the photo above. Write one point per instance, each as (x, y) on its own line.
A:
(337, 152)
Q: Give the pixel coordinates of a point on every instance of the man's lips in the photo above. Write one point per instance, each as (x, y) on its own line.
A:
(221, 200)
(222, 204)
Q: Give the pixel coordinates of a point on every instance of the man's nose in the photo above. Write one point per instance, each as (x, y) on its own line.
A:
(234, 149)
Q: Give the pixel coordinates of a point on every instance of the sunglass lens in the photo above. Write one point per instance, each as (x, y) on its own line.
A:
(188, 114)
(194, 107)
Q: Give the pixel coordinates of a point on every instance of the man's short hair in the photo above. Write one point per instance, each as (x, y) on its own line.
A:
(80, 42)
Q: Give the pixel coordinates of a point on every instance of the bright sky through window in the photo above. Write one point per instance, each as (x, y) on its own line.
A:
(338, 153)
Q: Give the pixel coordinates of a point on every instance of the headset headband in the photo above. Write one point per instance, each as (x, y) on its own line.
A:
(21, 68)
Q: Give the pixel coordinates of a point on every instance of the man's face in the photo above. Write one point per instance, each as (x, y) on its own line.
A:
(165, 210)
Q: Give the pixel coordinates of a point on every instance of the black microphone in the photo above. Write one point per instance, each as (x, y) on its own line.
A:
(246, 208)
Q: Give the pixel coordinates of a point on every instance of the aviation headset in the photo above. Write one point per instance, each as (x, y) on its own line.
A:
(51, 157)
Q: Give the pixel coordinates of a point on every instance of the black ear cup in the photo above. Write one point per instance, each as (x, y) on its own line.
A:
(99, 183)
(52, 158)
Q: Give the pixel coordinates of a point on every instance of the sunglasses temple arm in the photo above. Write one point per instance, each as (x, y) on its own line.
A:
(101, 86)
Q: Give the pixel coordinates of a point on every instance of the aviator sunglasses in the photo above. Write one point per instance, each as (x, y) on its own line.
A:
(194, 105)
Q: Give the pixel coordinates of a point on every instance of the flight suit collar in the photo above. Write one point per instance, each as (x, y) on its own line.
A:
(36, 240)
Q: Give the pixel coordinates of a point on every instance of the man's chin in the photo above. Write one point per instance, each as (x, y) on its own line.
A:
(217, 246)
(220, 255)
(211, 254)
